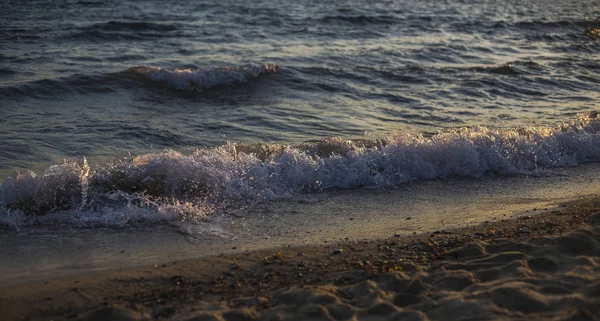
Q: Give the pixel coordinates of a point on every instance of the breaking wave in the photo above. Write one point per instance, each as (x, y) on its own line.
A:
(182, 79)
(171, 185)
(199, 79)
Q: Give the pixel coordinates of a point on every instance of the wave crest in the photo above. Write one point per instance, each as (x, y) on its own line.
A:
(193, 185)
(131, 26)
(199, 79)
(360, 19)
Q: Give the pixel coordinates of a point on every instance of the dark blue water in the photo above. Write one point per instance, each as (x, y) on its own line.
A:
(113, 79)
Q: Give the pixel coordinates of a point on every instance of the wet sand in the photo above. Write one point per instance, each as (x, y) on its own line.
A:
(544, 266)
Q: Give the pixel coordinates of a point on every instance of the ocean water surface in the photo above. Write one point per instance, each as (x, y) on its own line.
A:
(120, 112)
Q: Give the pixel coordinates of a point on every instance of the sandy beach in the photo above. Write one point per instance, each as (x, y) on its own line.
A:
(299, 160)
(544, 266)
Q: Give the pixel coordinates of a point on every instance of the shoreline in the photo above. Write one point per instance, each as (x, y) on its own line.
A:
(47, 252)
(254, 282)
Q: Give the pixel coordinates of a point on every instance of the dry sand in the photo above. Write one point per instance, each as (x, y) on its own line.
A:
(544, 267)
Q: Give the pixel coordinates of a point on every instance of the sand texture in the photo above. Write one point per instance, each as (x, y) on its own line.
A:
(549, 278)
(545, 267)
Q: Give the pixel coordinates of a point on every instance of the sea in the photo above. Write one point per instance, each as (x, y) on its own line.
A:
(117, 114)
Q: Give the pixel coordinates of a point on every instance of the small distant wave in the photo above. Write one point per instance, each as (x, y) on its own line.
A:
(131, 26)
(502, 70)
(90, 3)
(200, 79)
(512, 69)
(196, 185)
(360, 19)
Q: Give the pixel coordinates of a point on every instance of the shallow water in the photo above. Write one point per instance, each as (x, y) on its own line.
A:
(110, 79)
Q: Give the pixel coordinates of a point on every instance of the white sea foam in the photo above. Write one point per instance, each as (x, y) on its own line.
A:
(199, 79)
(195, 185)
